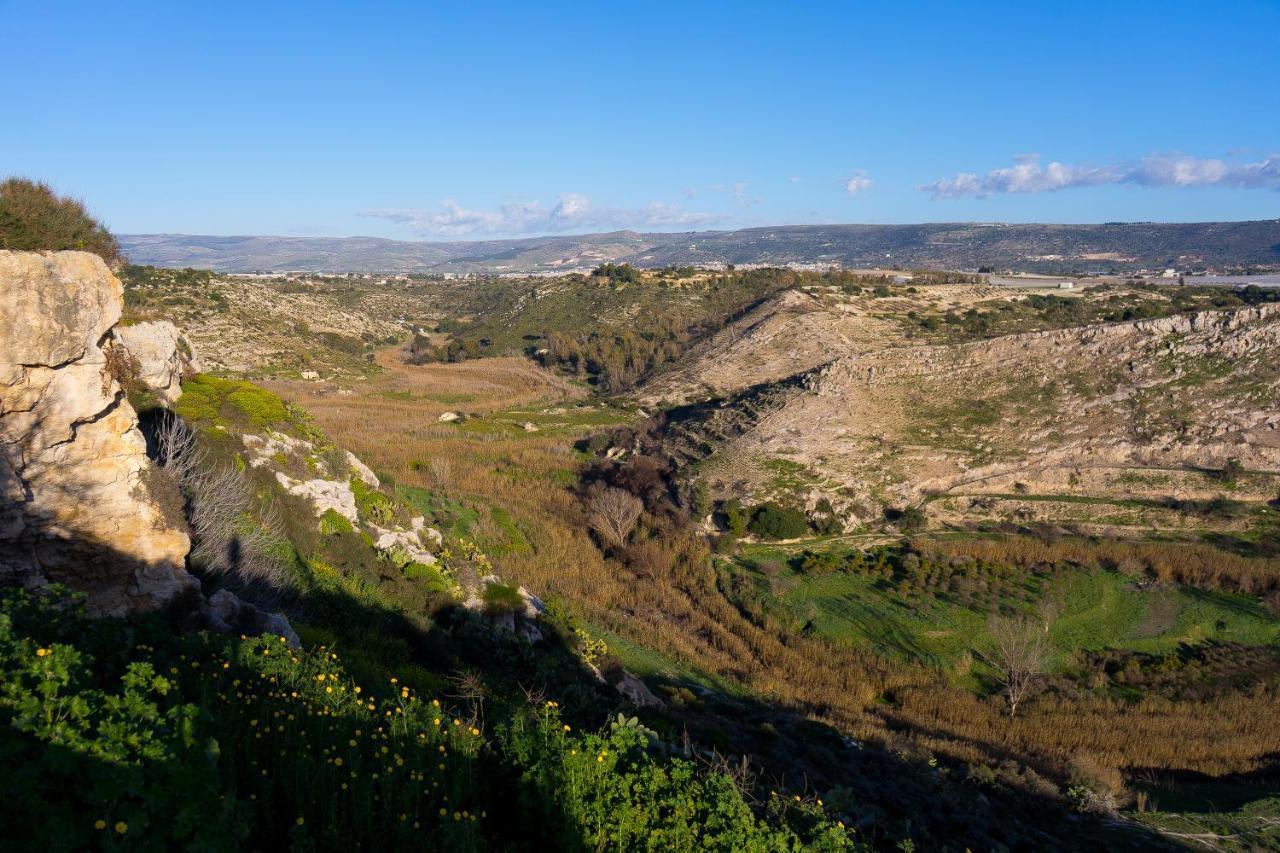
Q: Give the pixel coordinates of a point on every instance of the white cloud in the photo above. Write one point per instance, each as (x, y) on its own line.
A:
(574, 212)
(857, 183)
(1026, 175)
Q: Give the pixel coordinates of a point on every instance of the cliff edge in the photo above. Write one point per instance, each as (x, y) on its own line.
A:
(78, 500)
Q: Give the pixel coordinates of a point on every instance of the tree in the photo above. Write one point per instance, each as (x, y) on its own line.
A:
(1020, 646)
(1231, 471)
(612, 512)
(33, 217)
(771, 521)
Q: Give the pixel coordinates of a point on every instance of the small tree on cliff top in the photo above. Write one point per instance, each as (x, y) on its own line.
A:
(34, 217)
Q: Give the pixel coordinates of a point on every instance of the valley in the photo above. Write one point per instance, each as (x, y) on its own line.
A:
(847, 492)
(820, 428)
(957, 454)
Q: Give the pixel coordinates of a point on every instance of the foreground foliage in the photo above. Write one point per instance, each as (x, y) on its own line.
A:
(118, 735)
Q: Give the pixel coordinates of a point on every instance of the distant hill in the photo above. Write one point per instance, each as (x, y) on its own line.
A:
(1111, 247)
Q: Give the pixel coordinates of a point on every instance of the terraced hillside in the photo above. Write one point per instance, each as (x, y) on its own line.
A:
(1112, 425)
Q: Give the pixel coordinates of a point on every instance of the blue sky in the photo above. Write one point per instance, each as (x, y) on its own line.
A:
(417, 120)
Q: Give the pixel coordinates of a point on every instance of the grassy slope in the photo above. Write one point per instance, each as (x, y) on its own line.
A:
(1103, 610)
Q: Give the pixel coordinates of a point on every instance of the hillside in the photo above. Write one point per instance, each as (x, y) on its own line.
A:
(1056, 249)
(804, 598)
(1131, 411)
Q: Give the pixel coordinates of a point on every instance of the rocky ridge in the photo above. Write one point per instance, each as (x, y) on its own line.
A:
(1077, 410)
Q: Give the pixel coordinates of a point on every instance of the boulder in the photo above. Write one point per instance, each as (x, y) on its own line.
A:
(226, 613)
(362, 471)
(636, 691)
(161, 355)
(324, 495)
(398, 541)
(82, 503)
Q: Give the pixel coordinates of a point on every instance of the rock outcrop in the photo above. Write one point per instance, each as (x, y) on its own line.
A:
(160, 354)
(79, 502)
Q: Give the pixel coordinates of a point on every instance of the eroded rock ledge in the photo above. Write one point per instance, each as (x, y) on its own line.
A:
(76, 505)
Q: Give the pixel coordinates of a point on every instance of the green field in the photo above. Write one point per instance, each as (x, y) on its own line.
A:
(1098, 610)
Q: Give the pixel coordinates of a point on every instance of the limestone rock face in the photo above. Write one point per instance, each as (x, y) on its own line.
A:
(162, 355)
(77, 504)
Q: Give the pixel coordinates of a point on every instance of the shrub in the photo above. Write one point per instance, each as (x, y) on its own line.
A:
(211, 399)
(820, 562)
(502, 598)
(1231, 471)
(34, 217)
(770, 521)
(736, 517)
(372, 504)
(333, 522)
(912, 519)
(726, 544)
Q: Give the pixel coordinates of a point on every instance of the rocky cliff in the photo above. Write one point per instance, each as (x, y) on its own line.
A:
(78, 501)
(158, 355)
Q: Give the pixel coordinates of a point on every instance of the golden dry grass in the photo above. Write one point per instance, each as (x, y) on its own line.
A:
(678, 608)
(392, 423)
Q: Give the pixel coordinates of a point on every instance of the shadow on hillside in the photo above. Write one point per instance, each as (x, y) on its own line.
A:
(888, 797)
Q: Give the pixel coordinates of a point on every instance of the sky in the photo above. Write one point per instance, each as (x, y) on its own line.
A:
(418, 120)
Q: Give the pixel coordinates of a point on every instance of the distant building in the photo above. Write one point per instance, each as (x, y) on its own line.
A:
(1169, 273)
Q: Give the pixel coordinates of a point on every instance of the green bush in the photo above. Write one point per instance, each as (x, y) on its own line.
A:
(212, 400)
(820, 562)
(372, 504)
(333, 522)
(770, 521)
(502, 598)
(912, 519)
(33, 217)
(736, 517)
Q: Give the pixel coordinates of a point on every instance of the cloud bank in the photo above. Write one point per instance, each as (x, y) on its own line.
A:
(573, 212)
(1026, 175)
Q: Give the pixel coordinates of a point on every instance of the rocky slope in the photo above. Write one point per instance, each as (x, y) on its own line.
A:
(1126, 410)
(78, 503)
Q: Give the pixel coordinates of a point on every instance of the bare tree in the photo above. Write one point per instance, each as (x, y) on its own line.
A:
(1020, 647)
(226, 537)
(439, 469)
(612, 513)
(469, 684)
